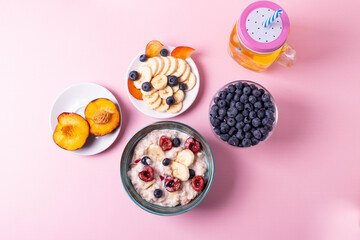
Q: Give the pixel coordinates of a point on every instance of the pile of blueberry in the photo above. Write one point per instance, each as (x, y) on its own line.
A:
(242, 114)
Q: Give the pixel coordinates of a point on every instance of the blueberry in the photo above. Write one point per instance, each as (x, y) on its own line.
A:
(232, 88)
(232, 103)
(239, 117)
(146, 86)
(214, 121)
(173, 81)
(248, 135)
(269, 128)
(213, 113)
(239, 91)
(231, 122)
(232, 112)
(254, 141)
(240, 125)
(247, 119)
(143, 58)
(246, 90)
(256, 93)
(158, 193)
(233, 141)
(216, 100)
(164, 52)
(248, 107)
(183, 86)
(256, 122)
(239, 106)
(257, 134)
(224, 128)
(245, 113)
(146, 160)
(176, 142)
(238, 85)
(252, 114)
(260, 113)
(258, 105)
(253, 87)
(221, 103)
(214, 107)
(232, 131)
(165, 161)
(263, 131)
(246, 142)
(170, 100)
(265, 97)
(269, 113)
(240, 135)
(222, 94)
(247, 127)
(267, 122)
(244, 98)
(222, 112)
(245, 85)
(262, 138)
(237, 97)
(268, 105)
(252, 99)
(134, 75)
(217, 131)
(191, 173)
(229, 96)
(224, 137)
(262, 91)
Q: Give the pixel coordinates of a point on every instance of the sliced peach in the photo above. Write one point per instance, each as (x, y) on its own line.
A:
(182, 52)
(136, 93)
(103, 116)
(153, 48)
(71, 131)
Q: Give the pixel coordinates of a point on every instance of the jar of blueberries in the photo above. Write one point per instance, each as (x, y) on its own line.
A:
(243, 114)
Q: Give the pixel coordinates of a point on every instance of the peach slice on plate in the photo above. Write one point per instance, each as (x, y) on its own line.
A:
(182, 52)
(71, 131)
(153, 48)
(103, 116)
(136, 93)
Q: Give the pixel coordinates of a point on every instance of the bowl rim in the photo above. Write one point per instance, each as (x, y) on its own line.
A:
(209, 182)
(256, 84)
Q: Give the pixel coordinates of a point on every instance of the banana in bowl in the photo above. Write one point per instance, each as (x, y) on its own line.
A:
(168, 168)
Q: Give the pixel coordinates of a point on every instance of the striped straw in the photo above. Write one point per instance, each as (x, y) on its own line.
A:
(272, 18)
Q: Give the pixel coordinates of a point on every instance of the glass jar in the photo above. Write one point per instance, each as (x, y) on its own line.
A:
(256, 47)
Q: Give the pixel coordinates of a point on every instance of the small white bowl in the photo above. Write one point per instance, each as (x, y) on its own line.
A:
(75, 99)
(190, 96)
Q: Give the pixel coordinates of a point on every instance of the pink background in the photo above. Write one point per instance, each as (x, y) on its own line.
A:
(302, 184)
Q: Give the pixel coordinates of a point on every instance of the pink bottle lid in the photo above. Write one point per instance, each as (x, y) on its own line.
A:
(258, 38)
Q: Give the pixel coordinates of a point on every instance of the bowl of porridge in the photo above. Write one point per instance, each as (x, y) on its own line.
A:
(167, 168)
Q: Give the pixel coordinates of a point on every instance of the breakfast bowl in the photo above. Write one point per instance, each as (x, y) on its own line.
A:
(243, 114)
(172, 201)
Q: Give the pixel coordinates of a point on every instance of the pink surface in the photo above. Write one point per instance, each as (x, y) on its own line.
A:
(302, 184)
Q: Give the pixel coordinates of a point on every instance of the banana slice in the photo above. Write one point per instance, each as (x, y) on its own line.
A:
(160, 65)
(152, 64)
(180, 171)
(166, 92)
(181, 67)
(154, 104)
(185, 157)
(190, 82)
(156, 151)
(173, 65)
(152, 97)
(163, 106)
(159, 82)
(175, 108)
(149, 92)
(166, 65)
(175, 88)
(147, 185)
(145, 76)
(186, 74)
(179, 96)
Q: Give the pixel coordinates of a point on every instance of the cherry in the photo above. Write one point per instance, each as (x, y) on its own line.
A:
(172, 184)
(192, 144)
(147, 174)
(165, 143)
(198, 183)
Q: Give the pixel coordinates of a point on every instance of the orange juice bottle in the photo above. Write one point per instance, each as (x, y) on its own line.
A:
(259, 37)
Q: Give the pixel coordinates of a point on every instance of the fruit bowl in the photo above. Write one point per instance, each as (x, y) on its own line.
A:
(127, 157)
(256, 124)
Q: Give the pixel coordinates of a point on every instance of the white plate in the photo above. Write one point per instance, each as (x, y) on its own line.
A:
(190, 96)
(75, 99)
